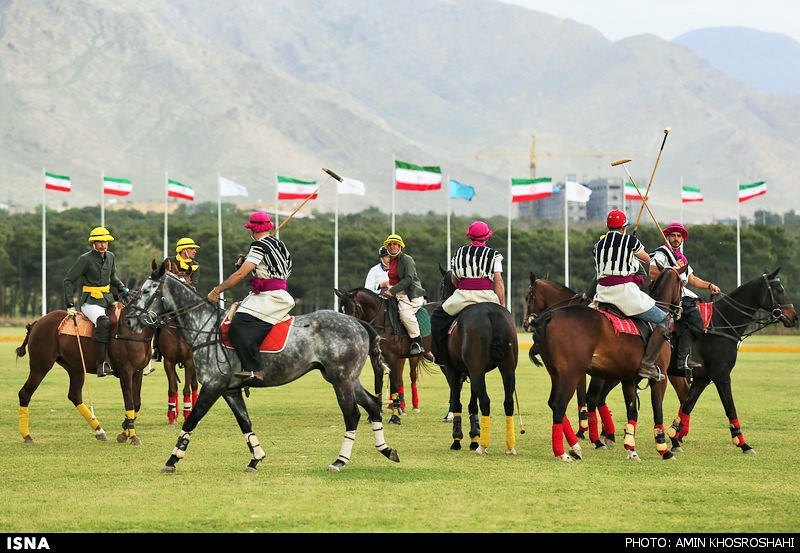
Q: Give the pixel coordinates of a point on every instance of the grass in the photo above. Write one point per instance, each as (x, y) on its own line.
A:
(69, 482)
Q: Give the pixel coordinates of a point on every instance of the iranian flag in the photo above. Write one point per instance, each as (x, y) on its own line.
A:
(296, 189)
(177, 189)
(631, 193)
(117, 187)
(747, 191)
(526, 190)
(57, 182)
(417, 178)
(690, 194)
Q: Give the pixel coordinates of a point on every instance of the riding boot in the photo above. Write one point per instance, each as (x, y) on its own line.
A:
(102, 335)
(156, 351)
(247, 340)
(440, 324)
(648, 367)
(685, 361)
(416, 346)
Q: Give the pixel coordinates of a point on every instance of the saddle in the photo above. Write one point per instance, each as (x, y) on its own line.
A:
(624, 324)
(84, 326)
(275, 340)
(393, 311)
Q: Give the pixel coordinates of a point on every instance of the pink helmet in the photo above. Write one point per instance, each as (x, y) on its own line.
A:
(259, 222)
(616, 219)
(675, 226)
(479, 231)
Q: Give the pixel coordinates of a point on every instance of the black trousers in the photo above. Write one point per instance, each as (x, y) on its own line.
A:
(440, 323)
(246, 334)
(690, 320)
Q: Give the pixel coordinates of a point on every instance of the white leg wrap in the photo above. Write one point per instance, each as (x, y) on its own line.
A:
(377, 433)
(347, 446)
(183, 440)
(255, 447)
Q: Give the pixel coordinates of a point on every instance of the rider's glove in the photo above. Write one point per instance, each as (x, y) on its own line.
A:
(213, 296)
(239, 261)
(125, 292)
(71, 311)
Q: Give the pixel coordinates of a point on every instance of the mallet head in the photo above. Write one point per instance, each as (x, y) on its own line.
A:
(619, 162)
(667, 129)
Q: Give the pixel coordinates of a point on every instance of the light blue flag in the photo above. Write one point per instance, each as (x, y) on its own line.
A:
(458, 190)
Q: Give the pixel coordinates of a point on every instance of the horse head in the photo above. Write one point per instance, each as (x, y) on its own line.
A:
(447, 286)
(148, 307)
(667, 289)
(551, 294)
(776, 300)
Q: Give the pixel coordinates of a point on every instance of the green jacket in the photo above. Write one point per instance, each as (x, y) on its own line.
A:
(409, 280)
(92, 269)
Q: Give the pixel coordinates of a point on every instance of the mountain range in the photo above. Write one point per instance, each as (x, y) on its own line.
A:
(250, 90)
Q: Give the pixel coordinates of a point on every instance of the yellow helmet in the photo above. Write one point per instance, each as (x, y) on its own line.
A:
(396, 238)
(185, 243)
(100, 234)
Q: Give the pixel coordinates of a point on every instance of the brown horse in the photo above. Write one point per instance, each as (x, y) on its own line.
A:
(373, 308)
(575, 340)
(177, 353)
(70, 345)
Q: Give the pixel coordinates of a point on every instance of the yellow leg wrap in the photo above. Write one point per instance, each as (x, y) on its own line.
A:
(131, 414)
(486, 432)
(511, 438)
(87, 414)
(23, 422)
(661, 442)
(629, 436)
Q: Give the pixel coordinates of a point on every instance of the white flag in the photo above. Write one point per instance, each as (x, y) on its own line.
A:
(229, 188)
(577, 192)
(350, 186)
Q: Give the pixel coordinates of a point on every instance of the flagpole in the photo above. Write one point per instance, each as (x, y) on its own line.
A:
(448, 220)
(277, 232)
(102, 198)
(394, 185)
(738, 238)
(219, 238)
(508, 246)
(44, 244)
(681, 201)
(566, 237)
(336, 250)
(166, 193)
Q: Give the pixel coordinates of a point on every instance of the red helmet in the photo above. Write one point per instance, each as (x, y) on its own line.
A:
(616, 219)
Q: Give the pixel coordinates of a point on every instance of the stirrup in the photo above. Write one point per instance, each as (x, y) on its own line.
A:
(415, 349)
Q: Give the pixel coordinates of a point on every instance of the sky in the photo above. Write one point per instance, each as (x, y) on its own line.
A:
(668, 19)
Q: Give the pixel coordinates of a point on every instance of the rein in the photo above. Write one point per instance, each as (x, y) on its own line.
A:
(748, 311)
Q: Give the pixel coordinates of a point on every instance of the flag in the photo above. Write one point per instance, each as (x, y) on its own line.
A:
(350, 186)
(229, 188)
(296, 189)
(690, 194)
(415, 177)
(576, 192)
(458, 190)
(177, 189)
(747, 191)
(116, 187)
(525, 190)
(57, 182)
(631, 193)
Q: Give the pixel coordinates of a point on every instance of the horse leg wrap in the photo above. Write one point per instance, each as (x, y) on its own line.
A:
(187, 406)
(736, 433)
(401, 396)
(377, 434)
(607, 419)
(474, 427)
(630, 433)
(511, 438)
(181, 444)
(254, 446)
(661, 439)
(558, 439)
(129, 424)
(414, 395)
(23, 421)
(594, 432)
(396, 404)
(172, 407)
(569, 433)
(583, 418)
(458, 432)
(680, 426)
(87, 414)
(347, 446)
(195, 393)
(486, 431)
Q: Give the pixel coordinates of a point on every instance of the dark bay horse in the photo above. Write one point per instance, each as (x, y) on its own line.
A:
(575, 340)
(373, 308)
(484, 338)
(177, 354)
(746, 310)
(335, 344)
(128, 352)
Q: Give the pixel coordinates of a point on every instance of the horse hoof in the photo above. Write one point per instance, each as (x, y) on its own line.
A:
(633, 456)
(136, 440)
(28, 439)
(448, 417)
(168, 470)
(599, 445)
(481, 450)
(415, 410)
(748, 451)
(250, 469)
(395, 420)
(580, 434)
(171, 424)
(122, 437)
(336, 466)
(456, 445)
(511, 451)
(677, 449)
(100, 435)
(564, 458)
(668, 456)
(576, 453)
(391, 454)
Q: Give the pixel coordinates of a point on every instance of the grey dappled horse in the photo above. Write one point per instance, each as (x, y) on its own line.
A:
(335, 344)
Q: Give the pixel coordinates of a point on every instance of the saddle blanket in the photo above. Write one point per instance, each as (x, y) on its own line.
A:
(625, 326)
(273, 343)
(85, 327)
(706, 310)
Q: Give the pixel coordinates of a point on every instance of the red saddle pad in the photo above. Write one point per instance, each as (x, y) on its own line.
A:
(273, 343)
(625, 326)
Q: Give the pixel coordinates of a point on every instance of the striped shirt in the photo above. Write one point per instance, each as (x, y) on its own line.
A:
(615, 254)
(475, 262)
(271, 258)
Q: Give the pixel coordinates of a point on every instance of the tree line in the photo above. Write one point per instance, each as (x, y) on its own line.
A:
(536, 246)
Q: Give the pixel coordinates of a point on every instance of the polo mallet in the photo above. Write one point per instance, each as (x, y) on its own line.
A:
(83, 363)
(644, 202)
(653, 174)
(521, 428)
(332, 175)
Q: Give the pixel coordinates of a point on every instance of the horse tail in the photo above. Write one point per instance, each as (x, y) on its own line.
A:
(21, 349)
(378, 362)
(498, 348)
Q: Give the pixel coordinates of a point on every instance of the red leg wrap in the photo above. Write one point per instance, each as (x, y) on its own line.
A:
(594, 434)
(607, 418)
(736, 433)
(414, 395)
(569, 433)
(558, 440)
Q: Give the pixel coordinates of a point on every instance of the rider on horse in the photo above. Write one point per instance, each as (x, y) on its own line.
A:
(616, 257)
(405, 284)
(95, 272)
(477, 273)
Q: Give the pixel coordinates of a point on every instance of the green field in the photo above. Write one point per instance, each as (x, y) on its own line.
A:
(69, 482)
